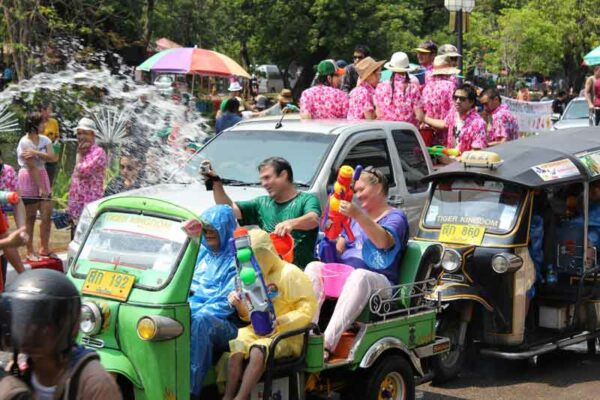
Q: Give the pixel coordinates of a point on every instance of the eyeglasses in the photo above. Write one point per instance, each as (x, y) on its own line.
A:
(375, 172)
(460, 98)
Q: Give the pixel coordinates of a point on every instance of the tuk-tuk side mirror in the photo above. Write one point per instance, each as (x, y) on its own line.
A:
(591, 257)
(555, 117)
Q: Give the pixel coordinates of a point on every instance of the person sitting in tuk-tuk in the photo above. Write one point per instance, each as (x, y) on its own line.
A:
(214, 322)
(294, 303)
(381, 235)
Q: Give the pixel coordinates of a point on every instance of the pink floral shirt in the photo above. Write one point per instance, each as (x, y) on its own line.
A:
(324, 102)
(504, 125)
(8, 178)
(406, 98)
(87, 181)
(465, 133)
(361, 101)
(437, 101)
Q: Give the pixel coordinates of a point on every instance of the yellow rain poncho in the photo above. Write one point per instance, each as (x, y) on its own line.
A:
(295, 302)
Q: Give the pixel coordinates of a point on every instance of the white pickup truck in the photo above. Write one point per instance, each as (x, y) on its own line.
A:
(314, 148)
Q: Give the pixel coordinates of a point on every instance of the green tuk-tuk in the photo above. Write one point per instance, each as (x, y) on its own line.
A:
(520, 226)
(134, 269)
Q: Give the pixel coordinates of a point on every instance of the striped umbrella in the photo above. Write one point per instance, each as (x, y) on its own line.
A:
(187, 60)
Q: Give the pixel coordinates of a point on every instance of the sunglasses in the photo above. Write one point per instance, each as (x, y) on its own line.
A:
(375, 172)
(460, 98)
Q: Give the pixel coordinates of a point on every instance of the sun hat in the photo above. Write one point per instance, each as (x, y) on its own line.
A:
(86, 124)
(285, 96)
(235, 87)
(441, 67)
(448, 50)
(366, 67)
(427, 46)
(399, 63)
(329, 67)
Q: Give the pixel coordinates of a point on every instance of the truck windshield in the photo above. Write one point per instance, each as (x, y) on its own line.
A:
(235, 155)
(145, 246)
(491, 204)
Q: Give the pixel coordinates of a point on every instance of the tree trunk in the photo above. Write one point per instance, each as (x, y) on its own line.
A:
(148, 23)
(308, 71)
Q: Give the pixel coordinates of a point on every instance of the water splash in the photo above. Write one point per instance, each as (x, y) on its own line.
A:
(8, 120)
(112, 125)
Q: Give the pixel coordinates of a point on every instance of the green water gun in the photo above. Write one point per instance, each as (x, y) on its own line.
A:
(441, 150)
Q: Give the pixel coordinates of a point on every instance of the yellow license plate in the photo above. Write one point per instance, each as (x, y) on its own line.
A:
(462, 234)
(109, 284)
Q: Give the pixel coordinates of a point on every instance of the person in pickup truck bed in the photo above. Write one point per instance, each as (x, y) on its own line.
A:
(214, 322)
(294, 303)
(361, 97)
(284, 210)
(325, 100)
(381, 235)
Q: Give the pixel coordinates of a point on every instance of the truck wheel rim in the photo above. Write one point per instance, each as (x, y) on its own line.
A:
(392, 387)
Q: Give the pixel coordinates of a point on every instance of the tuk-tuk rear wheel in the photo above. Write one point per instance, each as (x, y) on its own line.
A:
(448, 365)
(391, 378)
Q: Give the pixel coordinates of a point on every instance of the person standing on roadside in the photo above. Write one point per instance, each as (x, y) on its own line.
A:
(325, 100)
(361, 104)
(87, 180)
(350, 77)
(51, 129)
(592, 95)
(284, 210)
(504, 126)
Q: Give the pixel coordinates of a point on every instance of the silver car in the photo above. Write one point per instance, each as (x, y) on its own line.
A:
(576, 115)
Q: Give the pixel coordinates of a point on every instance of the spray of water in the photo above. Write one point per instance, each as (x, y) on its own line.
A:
(8, 121)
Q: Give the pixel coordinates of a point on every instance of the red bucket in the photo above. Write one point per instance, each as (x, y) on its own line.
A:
(284, 246)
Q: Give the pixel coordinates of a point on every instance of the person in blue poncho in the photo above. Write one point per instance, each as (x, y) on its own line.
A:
(214, 321)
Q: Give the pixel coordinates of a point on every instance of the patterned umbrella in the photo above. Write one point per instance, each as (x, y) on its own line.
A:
(187, 60)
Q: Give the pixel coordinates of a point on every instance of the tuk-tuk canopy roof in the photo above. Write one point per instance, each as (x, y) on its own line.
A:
(569, 155)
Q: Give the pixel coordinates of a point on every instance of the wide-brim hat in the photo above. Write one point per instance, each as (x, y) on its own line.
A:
(285, 96)
(448, 50)
(86, 124)
(442, 67)
(399, 63)
(235, 87)
(366, 67)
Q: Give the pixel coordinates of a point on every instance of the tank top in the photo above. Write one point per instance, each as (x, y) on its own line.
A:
(596, 90)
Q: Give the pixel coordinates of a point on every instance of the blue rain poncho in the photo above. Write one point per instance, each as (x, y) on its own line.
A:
(213, 319)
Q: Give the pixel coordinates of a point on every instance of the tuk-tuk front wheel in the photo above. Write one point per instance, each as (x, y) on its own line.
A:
(447, 366)
(391, 378)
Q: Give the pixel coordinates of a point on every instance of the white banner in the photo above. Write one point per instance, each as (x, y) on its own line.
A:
(532, 116)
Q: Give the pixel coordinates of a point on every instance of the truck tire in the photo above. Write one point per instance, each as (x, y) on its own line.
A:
(390, 378)
(447, 366)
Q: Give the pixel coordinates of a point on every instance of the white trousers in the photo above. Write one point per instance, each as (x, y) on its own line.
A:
(354, 297)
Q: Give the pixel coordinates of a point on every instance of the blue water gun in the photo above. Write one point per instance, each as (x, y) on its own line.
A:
(252, 285)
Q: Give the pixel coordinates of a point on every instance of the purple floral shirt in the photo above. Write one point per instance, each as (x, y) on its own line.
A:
(504, 125)
(361, 101)
(87, 181)
(465, 133)
(8, 178)
(437, 101)
(406, 98)
(324, 102)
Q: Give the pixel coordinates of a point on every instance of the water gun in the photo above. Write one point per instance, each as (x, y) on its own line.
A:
(441, 150)
(7, 197)
(252, 285)
(334, 222)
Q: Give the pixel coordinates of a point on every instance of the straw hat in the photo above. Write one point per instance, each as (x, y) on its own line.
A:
(399, 63)
(366, 67)
(285, 96)
(441, 67)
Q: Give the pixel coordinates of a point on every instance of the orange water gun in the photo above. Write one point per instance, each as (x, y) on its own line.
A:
(333, 221)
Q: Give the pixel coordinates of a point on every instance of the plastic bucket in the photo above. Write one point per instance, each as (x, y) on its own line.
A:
(334, 277)
(284, 246)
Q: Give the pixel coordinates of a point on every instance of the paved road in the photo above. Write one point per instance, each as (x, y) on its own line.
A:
(568, 374)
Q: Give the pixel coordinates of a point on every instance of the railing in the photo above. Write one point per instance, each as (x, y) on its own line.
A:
(405, 299)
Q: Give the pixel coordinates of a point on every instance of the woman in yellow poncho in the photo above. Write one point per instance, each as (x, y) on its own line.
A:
(295, 304)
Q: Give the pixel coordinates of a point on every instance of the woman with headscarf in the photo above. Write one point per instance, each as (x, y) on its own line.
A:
(292, 295)
(213, 321)
(399, 99)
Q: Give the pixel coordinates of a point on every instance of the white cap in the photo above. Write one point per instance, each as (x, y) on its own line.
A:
(86, 124)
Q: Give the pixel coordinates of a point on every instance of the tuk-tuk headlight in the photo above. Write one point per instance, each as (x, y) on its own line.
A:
(90, 321)
(451, 260)
(506, 262)
(157, 327)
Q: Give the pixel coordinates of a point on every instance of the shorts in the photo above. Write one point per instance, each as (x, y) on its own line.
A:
(28, 188)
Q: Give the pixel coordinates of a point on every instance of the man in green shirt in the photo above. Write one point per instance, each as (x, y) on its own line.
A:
(284, 210)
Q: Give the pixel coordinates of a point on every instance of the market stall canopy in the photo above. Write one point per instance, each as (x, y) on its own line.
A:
(593, 57)
(187, 60)
(164, 44)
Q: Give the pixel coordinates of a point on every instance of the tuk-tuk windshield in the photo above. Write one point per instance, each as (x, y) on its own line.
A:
(142, 245)
(491, 204)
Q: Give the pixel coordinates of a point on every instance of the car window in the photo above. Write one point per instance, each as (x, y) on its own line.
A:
(577, 109)
(372, 153)
(412, 160)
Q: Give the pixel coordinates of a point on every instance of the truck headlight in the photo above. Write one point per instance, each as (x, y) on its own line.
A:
(157, 327)
(451, 260)
(506, 262)
(90, 321)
